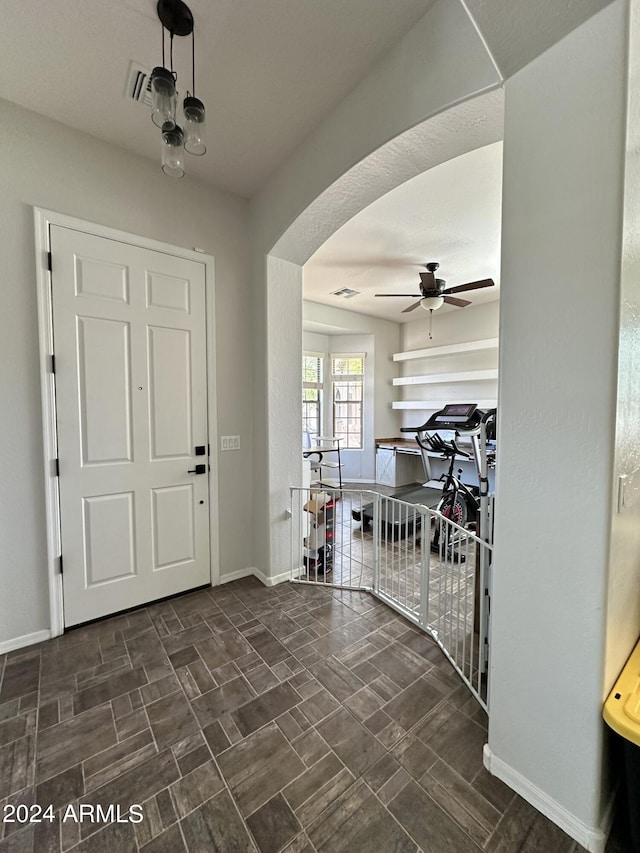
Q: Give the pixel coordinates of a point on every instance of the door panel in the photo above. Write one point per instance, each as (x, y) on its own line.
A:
(169, 356)
(104, 366)
(97, 277)
(173, 531)
(164, 291)
(109, 537)
(131, 398)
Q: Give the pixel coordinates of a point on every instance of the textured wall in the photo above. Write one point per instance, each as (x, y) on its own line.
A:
(623, 612)
(562, 218)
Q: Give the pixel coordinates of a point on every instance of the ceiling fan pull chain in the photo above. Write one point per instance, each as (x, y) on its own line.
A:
(430, 323)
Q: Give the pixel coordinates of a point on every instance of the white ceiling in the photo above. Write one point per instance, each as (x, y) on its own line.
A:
(516, 31)
(268, 72)
(450, 214)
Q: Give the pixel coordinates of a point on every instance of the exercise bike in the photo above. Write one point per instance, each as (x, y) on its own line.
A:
(459, 503)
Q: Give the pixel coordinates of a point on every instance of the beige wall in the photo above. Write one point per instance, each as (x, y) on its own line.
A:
(559, 328)
(623, 611)
(45, 164)
(459, 325)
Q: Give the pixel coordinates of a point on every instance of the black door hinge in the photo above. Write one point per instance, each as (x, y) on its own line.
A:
(53, 364)
(57, 466)
(49, 262)
(61, 569)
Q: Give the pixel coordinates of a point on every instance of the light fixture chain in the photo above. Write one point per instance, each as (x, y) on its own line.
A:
(193, 60)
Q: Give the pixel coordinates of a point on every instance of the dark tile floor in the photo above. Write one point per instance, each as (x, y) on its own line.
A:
(247, 718)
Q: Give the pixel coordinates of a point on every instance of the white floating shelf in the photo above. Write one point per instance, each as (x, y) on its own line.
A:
(449, 349)
(439, 404)
(440, 378)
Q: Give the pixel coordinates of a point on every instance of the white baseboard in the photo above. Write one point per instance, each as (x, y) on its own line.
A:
(591, 838)
(235, 576)
(256, 573)
(24, 641)
(273, 580)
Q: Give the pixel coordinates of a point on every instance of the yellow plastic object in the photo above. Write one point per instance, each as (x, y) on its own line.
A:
(622, 708)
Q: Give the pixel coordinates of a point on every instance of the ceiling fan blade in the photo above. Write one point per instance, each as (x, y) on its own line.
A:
(428, 280)
(453, 300)
(405, 295)
(411, 307)
(471, 285)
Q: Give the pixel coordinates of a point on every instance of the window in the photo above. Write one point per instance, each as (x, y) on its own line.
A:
(347, 375)
(312, 393)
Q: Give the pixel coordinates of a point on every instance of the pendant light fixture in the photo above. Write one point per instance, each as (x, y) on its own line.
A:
(175, 17)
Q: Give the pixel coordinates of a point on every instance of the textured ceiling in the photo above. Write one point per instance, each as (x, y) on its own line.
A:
(450, 214)
(267, 70)
(516, 31)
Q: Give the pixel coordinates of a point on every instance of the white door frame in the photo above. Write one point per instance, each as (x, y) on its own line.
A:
(43, 219)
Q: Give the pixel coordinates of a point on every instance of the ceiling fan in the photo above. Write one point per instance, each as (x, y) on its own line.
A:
(435, 294)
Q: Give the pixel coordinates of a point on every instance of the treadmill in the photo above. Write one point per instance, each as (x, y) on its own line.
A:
(399, 521)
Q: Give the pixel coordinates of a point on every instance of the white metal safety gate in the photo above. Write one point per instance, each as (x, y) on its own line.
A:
(431, 570)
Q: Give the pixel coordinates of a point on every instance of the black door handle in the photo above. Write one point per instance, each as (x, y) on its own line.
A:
(199, 469)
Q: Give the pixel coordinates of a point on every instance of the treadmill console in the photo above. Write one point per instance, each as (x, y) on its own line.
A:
(457, 416)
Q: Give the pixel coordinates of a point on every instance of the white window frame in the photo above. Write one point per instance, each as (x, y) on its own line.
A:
(319, 386)
(353, 378)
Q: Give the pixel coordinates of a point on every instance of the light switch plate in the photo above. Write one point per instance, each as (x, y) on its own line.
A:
(230, 442)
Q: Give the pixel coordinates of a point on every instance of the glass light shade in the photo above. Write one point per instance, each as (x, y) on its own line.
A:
(194, 126)
(163, 97)
(172, 150)
(431, 303)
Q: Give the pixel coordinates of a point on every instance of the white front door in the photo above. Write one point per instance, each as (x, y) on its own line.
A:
(131, 403)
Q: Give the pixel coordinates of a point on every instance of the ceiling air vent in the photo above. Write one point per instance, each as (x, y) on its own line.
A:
(346, 293)
(138, 85)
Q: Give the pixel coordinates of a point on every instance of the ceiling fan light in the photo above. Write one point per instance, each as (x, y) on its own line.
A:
(431, 303)
(163, 97)
(194, 126)
(172, 150)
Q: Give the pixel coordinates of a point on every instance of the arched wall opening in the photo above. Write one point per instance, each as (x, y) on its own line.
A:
(563, 193)
(450, 133)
